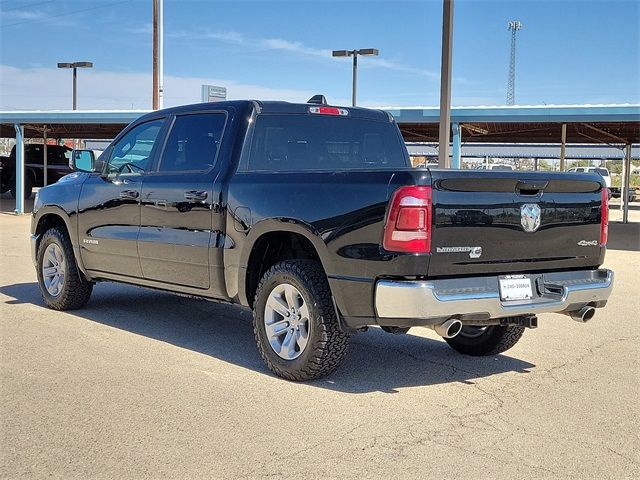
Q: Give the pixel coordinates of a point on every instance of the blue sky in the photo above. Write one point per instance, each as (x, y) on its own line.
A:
(568, 52)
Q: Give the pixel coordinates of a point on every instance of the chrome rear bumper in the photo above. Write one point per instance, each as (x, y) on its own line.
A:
(479, 297)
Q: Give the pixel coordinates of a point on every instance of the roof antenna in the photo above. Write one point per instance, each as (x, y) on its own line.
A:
(318, 100)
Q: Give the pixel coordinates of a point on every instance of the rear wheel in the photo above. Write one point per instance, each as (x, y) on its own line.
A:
(295, 322)
(489, 340)
(61, 284)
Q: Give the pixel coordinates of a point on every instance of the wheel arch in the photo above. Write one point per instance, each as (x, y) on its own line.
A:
(51, 216)
(272, 241)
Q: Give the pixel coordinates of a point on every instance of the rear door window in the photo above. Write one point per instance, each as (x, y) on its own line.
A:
(193, 143)
(310, 142)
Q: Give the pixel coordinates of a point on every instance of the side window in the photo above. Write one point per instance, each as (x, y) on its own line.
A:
(193, 143)
(131, 154)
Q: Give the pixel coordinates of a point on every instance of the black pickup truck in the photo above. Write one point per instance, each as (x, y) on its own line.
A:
(310, 215)
(57, 167)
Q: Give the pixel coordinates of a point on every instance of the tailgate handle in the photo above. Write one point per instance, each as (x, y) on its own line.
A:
(531, 187)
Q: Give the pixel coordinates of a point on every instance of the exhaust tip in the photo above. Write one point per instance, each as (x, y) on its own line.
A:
(448, 329)
(584, 314)
(454, 329)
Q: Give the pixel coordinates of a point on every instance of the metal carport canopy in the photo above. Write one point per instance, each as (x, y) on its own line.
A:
(68, 123)
(526, 124)
(59, 124)
(611, 124)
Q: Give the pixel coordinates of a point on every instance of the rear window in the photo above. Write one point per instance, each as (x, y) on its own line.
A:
(315, 142)
(602, 172)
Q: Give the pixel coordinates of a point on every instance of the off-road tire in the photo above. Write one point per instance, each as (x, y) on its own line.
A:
(494, 340)
(327, 343)
(76, 290)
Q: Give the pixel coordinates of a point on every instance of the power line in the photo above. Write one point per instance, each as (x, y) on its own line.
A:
(67, 13)
(29, 5)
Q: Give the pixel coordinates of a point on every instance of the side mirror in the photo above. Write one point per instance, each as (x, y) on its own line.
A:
(82, 160)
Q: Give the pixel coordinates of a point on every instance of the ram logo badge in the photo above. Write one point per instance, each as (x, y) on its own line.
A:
(530, 217)
(90, 241)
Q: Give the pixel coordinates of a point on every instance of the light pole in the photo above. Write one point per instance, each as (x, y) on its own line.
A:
(354, 54)
(75, 66)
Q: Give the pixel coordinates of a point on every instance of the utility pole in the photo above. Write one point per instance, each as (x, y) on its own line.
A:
(513, 26)
(445, 85)
(160, 53)
(155, 95)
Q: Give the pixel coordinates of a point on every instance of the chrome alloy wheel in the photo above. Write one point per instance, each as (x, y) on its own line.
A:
(286, 321)
(53, 269)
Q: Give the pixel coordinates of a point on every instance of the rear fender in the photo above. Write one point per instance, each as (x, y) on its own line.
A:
(272, 225)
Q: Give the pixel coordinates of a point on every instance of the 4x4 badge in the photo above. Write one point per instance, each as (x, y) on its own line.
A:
(588, 243)
(530, 217)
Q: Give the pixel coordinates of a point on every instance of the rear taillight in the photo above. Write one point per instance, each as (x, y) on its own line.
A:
(604, 218)
(408, 226)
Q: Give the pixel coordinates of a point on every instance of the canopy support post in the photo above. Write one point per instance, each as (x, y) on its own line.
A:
(19, 173)
(624, 186)
(46, 157)
(563, 146)
(457, 145)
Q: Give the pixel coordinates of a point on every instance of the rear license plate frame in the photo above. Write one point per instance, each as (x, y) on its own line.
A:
(515, 288)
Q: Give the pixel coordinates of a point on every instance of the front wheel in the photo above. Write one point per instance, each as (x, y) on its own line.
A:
(61, 284)
(482, 341)
(295, 322)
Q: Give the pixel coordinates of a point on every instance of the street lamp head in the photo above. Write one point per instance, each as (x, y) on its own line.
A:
(342, 53)
(75, 65)
(368, 51)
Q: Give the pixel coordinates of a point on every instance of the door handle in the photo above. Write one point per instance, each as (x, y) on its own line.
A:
(129, 194)
(195, 195)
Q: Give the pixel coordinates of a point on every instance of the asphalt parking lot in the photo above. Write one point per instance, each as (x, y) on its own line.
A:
(143, 384)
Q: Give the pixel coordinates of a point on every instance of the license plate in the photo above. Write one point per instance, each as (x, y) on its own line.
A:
(515, 287)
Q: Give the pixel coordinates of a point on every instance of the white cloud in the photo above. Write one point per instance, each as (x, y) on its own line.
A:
(142, 29)
(50, 88)
(18, 17)
(281, 44)
(25, 14)
(296, 47)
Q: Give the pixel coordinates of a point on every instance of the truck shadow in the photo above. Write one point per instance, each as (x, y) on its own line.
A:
(376, 362)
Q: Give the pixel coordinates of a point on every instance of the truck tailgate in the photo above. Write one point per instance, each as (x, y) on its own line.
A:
(509, 222)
